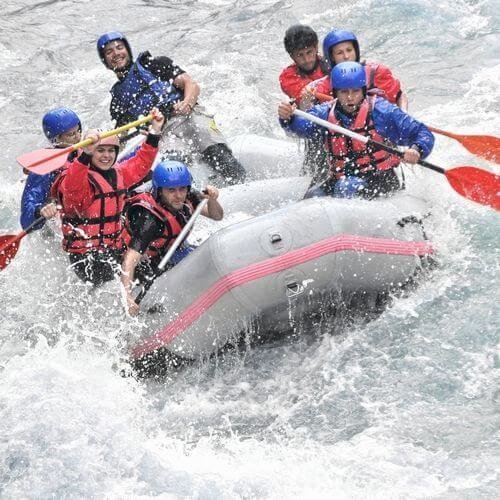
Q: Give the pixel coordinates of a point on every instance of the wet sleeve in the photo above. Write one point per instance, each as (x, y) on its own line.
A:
(386, 81)
(35, 195)
(304, 127)
(137, 167)
(291, 83)
(144, 228)
(77, 192)
(400, 128)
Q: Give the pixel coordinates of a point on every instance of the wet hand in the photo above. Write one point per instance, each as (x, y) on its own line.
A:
(183, 108)
(132, 306)
(157, 122)
(285, 110)
(210, 192)
(91, 134)
(49, 210)
(411, 156)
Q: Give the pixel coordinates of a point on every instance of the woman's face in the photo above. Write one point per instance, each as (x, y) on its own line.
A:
(104, 156)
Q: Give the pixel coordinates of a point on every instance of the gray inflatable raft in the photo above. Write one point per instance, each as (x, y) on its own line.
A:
(280, 264)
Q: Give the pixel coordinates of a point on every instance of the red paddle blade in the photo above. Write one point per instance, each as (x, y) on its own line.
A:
(44, 161)
(9, 245)
(476, 184)
(486, 146)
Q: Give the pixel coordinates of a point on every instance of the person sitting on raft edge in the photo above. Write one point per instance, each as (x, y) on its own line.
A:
(156, 81)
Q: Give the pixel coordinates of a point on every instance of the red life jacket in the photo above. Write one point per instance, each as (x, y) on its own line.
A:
(100, 226)
(171, 227)
(365, 157)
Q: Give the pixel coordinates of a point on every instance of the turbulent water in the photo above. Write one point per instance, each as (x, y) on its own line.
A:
(402, 407)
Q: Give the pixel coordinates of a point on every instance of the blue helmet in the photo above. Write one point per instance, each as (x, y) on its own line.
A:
(171, 174)
(59, 120)
(111, 36)
(338, 36)
(348, 75)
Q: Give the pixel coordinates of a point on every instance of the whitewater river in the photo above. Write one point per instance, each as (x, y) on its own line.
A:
(402, 407)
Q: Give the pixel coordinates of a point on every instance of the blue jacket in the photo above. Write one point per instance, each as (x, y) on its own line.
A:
(139, 91)
(35, 195)
(389, 121)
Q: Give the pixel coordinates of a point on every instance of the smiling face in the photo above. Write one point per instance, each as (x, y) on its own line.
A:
(343, 51)
(104, 156)
(116, 55)
(175, 197)
(306, 58)
(350, 99)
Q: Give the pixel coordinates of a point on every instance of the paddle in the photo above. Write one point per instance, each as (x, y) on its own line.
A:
(44, 161)
(473, 183)
(175, 244)
(9, 244)
(487, 146)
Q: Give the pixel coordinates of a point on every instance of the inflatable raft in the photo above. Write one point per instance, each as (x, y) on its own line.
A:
(280, 266)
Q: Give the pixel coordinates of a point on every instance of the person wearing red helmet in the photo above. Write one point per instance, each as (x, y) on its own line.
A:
(341, 45)
(92, 194)
(155, 219)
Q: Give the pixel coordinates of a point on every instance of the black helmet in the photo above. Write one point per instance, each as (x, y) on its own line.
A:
(299, 36)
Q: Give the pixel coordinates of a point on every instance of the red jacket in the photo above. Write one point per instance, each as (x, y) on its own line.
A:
(92, 208)
(292, 80)
(378, 76)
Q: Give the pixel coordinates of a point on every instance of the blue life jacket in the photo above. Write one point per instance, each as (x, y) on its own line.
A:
(140, 91)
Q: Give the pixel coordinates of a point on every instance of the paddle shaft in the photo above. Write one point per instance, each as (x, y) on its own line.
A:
(87, 142)
(364, 139)
(175, 245)
(24, 232)
(182, 235)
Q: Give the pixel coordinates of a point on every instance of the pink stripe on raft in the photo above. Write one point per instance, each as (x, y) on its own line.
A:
(273, 265)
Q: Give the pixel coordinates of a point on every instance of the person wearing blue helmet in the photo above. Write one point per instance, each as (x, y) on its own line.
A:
(341, 45)
(349, 160)
(155, 219)
(151, 81)
(63, 128)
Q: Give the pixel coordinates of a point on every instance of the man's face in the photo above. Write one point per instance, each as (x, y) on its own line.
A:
(306, 58)
(116, 55)
(175, 197)
(342, 52)
(350, 99)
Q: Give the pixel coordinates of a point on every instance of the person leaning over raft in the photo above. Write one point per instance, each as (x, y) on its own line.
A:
(155, 219)
(358, 169)
(63, 128)
(157, 81)
(92, 193)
